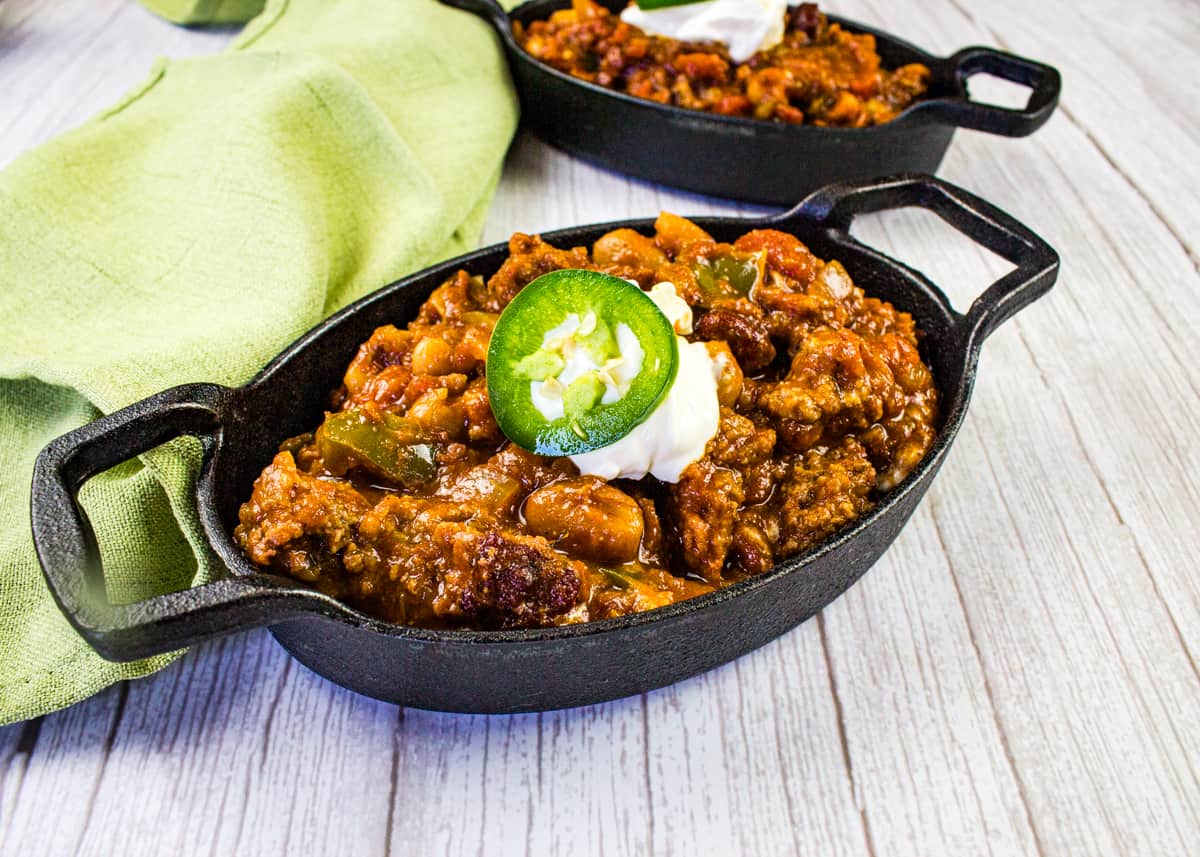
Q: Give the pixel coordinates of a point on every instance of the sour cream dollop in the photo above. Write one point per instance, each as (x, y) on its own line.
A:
(677, 431)
(744, 26)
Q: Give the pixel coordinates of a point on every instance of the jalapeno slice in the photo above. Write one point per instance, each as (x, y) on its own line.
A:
(650, 5)
(577, 360)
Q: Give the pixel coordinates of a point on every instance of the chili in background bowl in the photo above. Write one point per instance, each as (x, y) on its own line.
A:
(757, 160)
(505, 671)
(818, 73)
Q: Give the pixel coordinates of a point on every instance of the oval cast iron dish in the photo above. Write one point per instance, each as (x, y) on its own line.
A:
(504, 671)
(757, 160)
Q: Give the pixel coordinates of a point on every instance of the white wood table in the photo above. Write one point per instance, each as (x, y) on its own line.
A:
(1017, 676)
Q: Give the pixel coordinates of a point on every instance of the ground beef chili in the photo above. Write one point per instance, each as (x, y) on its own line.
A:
(825, 403)
(820, 74)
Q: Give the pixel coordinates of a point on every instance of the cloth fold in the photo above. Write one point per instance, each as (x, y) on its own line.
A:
(205, 11)
(192, 231)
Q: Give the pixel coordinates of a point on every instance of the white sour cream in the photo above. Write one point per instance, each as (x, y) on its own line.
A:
(744, 26)
(674, 307)
(677, 431)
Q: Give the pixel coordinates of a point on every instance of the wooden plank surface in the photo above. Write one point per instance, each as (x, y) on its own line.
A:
(1017, 676)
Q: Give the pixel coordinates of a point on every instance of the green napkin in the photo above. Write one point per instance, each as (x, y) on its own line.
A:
(205, 11)
(191, 232)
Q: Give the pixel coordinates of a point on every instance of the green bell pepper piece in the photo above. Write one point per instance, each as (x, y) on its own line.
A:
(383, 444)
(741, 271)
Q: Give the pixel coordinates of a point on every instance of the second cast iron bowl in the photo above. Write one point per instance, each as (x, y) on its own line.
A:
(505, 671)
(750, 159)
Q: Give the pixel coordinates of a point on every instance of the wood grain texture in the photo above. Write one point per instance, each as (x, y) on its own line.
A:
(1017, 676)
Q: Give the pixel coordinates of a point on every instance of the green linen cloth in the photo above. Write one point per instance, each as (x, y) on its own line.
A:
(205, 11)
(192, 231)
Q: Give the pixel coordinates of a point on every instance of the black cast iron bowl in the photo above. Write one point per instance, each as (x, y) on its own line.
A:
(504, 671)
(760, 161)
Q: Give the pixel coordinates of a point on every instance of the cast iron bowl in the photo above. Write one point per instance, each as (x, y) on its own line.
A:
(504, 671)
(750, 159)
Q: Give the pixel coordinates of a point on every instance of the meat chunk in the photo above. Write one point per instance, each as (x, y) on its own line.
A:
(747, 337)
(805, 19)
(824, 490)
(786, 253)
(702, 509)
(751, 551)
(452, 300)
(511, 581)
(697, 67)
(897, 443)
(299, 523)
(388, 347)
(739, 443)
(837, 383)
(528, 258)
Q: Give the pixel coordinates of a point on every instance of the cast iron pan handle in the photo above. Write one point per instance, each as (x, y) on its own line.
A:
(489, 10)
(1044, 81)
(835, 207)
(66, 545)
